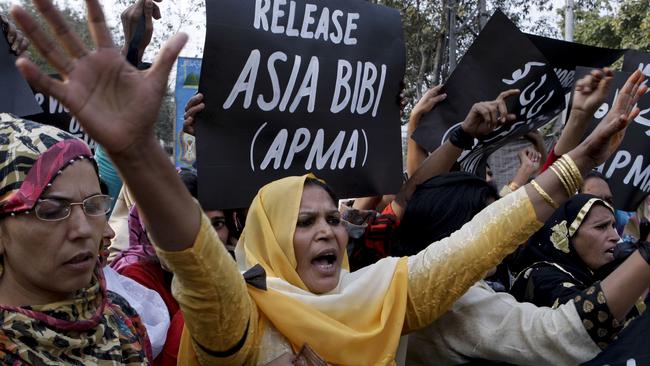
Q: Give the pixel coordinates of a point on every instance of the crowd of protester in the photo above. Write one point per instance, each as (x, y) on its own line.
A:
(107, 258)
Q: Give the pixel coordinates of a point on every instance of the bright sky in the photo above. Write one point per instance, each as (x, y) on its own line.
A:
(552, 15)
(168, 8)
(171, 8)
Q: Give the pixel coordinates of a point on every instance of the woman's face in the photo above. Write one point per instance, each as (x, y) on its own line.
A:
(218, 220)
(49, 260)
(320, 241)
(596, 238)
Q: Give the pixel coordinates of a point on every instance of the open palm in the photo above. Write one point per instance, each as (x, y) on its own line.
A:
(114, 102)
(609, 133)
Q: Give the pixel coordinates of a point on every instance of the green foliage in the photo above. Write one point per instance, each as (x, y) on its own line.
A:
(614, 24)
(427, 39)
(164, 128)
(76, 21)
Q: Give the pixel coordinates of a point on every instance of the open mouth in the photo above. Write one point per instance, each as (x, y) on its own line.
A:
(326, 261)
(610, 251)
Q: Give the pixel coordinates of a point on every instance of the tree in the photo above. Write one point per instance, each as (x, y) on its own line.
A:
(76, 21)
(614, 24)
(164, 129)
(438, 33)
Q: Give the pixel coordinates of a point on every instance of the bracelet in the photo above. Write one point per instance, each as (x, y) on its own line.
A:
(644, 250)
(513, 186)
(562, 179)
(544, 195)
(571, 182)
(571, 166)
(461, 139)
(566, 176)
(568, 173)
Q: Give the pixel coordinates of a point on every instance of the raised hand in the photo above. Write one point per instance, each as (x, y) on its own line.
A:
(17, 41)
(428, 101)
(130, 18)
(114, 102)
(529, 159)
(485, 117)
(609, 133)
(590, 92)
(193, 106)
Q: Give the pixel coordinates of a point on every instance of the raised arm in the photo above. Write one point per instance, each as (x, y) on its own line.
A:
(528, 164)
(589, 94)
(415, 155)
(131, 17)
(445, 270)
(537, 140)
(481, 119)
(117, 105)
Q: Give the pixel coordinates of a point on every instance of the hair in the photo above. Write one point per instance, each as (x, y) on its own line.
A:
(327, 188)
(439, 207)
(234, 223)
(190, 180)
(597, 175)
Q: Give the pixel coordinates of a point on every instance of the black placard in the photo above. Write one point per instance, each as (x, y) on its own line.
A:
(500, 58)
(15, 95)
(55, 114)
(635, 59)
(565, 56)
(628, 169)
(285, 96)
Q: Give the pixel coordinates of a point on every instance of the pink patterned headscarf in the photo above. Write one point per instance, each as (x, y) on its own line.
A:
(95, 325)
(31, 156)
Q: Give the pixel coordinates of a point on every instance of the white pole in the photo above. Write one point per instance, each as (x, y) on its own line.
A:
(568, 21)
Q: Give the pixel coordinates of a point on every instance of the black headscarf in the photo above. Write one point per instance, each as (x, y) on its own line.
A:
(552, 242)
(439, 207)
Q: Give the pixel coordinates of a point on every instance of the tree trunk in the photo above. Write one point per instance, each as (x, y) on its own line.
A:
(482, 14)
(451, 20)
(440, 50)
(420, 84)
(437, 60)
(568, 21)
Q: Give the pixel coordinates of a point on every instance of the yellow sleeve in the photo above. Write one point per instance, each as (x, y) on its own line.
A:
(443, 271)
(220, 318)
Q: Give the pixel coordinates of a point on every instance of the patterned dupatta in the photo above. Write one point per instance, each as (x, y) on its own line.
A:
(94, 327)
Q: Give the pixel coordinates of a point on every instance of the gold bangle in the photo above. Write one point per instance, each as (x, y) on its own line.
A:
(568, 161)
(562, 179)
(574, 183)
(568, 176)
(572, 189)
(544, 195)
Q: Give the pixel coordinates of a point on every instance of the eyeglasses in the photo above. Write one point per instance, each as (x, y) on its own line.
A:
(55, 209)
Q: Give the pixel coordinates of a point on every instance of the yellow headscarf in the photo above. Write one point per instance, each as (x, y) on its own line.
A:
(358, 323)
